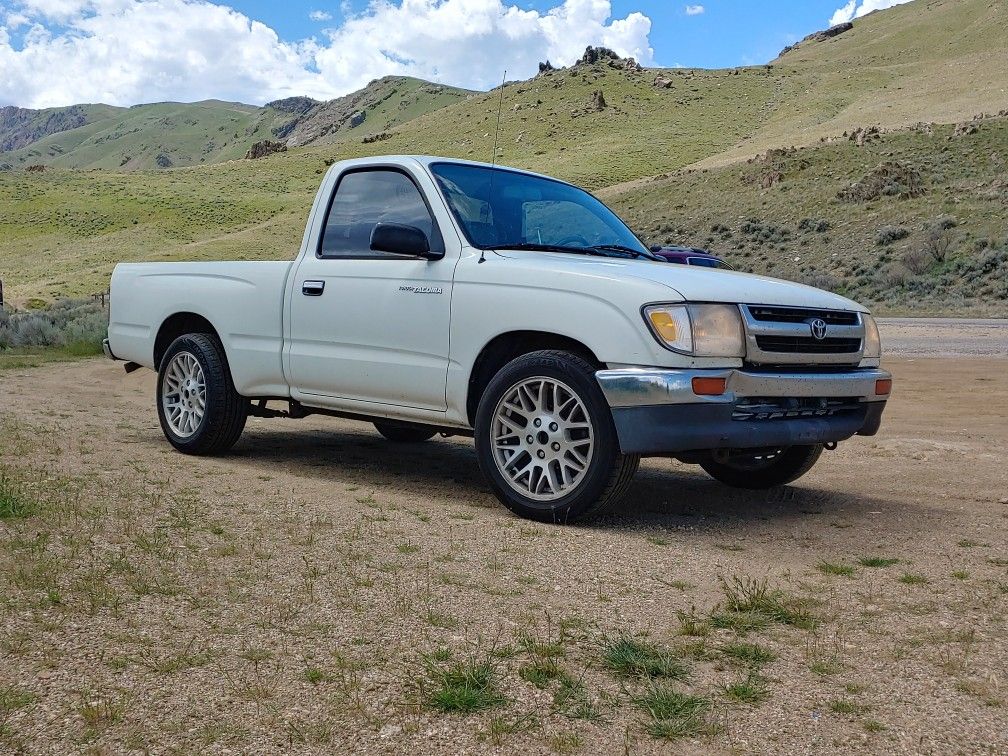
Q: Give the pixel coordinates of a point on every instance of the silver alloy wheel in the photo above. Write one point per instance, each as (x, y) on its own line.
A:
(183, 394)
(542, 438)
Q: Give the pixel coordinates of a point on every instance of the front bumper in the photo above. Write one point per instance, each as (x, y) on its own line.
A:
(657, 412)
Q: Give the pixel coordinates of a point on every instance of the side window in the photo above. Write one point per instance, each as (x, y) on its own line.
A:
(365, 198)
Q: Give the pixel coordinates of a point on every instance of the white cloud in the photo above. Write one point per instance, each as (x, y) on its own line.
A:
(694, 10)
(128, 51)
(320, 15)
(855, 9)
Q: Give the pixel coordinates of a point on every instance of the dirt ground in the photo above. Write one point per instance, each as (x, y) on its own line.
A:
(319, 589)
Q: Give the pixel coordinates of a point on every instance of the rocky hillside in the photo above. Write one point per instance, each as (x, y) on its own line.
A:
(20, 127)
(382, 105)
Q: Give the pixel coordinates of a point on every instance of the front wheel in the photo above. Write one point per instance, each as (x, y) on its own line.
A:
(765, 468)
(199, 409)
(546, 442)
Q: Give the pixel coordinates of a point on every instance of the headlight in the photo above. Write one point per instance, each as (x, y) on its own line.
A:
(872, 342)
(703, 330)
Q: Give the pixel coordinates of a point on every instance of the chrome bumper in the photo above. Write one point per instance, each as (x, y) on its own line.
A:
(642, 387)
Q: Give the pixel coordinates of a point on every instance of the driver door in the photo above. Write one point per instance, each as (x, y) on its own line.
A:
(370, 327)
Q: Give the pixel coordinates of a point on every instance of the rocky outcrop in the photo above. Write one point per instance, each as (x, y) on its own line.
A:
(890, 179)
(20, 127)
(264, 148)
(598, 103)
(293, 105)
(357, 119)
(821, 36)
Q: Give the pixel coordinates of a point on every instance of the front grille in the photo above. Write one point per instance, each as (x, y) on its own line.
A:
(776, 408)
(768, 314)
(801, 345)
(779, 335)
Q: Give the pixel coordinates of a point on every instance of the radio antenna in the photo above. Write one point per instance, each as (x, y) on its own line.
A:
(493, 159)
(500, 105)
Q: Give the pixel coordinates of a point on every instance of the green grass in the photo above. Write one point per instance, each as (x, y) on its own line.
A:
(848, 707)
(464, 687)
(631, 657)
(15, 502)
(831, 568)
(674, 714)
(910, 578)
(750, 654)
(751, 689)
(877, 561)
(753, 598)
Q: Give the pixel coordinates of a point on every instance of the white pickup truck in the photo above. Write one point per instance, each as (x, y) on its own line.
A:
(433, 295)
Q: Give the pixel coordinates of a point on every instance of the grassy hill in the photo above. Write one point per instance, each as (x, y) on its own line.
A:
(171, 134)
(931, 61)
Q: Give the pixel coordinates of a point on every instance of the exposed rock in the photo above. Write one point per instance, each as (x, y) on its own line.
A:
(598, 100)
(263, 148)
(631, 65)
(35, 168)
(357, 119)
(163, 161)
(967, 128)
(379, 137)
(22, 126)
(770, 178)
(662, 83)
(546, 67)
(821, 36)
(890, 179)
(597, 54)
(861, 136)
(293, 105)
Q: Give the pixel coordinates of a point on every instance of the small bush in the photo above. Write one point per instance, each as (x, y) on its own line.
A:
(937, 243)
(916, 261)
(889, 234)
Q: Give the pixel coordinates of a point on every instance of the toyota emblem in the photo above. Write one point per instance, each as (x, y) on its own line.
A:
(818, 326)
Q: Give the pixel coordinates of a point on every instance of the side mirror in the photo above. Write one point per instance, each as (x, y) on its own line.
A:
(401, 240)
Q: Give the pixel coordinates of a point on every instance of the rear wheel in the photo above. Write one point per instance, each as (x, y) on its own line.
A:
(405, 434)
(199, 409)
(765, 468)
(546, 442)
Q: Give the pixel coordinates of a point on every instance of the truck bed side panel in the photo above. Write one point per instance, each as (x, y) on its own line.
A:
(242, 300)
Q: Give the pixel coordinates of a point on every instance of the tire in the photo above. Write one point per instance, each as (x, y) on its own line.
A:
(224, 410)
(587, 473)
(763, 470)
(405, 434)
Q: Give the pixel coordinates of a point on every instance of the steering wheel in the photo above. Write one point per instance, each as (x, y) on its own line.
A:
(572, 240)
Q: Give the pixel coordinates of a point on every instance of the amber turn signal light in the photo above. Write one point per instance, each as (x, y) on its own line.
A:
(883, 386)
(709, 386)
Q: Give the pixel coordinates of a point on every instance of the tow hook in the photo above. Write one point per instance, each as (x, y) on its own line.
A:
(830, 445)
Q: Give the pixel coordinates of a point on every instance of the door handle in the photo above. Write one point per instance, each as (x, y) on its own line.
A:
(313, 288)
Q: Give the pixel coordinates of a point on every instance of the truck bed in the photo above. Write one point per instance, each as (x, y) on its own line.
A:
(243, 300)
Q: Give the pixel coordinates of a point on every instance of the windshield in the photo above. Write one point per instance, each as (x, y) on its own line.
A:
(501, 208)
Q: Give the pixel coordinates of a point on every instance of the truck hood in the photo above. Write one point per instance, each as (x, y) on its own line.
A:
(697, 284)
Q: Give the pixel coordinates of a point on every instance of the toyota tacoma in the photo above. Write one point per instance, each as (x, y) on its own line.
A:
(434, 295)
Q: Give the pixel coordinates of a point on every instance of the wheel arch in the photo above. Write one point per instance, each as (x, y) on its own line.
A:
(177, 325)
(505, 347)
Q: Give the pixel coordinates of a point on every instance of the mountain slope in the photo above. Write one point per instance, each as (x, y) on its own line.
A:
(169, 134)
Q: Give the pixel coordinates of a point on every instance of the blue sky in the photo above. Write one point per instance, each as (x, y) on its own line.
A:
(727, 33)
(123, 52)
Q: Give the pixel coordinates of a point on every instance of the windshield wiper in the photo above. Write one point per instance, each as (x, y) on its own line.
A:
(548, 248)
(628, 250)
